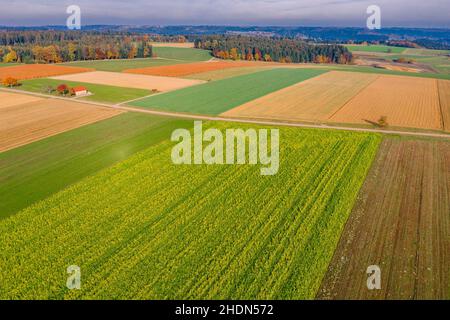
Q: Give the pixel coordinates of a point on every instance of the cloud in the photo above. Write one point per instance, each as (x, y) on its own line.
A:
(226, 12)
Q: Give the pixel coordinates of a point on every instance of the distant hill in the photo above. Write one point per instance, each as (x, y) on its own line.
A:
(427, 37)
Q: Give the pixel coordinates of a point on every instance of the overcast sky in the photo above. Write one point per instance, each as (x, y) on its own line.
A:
(407, 13)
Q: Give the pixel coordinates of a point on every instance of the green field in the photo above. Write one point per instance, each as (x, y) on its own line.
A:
(375, 48)
(225, 73)
(183, 54)
(219, 96)
(439, 63)
(120, 65)
(2, 64)
(37, 170)
(165, 56)
(101, 93)
(148, 229)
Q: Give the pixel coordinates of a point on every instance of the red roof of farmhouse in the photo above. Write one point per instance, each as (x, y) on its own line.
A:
(79, 88)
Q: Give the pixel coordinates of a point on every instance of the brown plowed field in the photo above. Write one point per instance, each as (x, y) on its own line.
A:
(405, 101)
(25, 123)
(401, 223)
(31, 71)
(444, 93)
(181, 70)
(314, 99)
(8, 99)
(127, 80)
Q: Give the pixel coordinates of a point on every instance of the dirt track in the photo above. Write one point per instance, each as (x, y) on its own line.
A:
(401, 222)
(122, 106)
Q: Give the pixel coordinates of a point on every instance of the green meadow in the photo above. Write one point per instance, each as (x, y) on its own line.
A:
(100, 93)
(219, 96)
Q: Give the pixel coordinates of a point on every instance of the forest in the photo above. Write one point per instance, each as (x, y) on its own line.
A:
(239, 47)
(65, 46)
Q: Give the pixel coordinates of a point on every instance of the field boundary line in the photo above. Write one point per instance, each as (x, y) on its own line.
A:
(354, 96)
(227, 119)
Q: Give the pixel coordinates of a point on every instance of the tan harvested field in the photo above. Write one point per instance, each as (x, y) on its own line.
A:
(128, 80)
(401, 223)
(8, 99)
(183, 70)
(32, 71)
(444, 94)
(225, 73)
(28, 122)
(314, 99)
(405, 101)
(173, 44)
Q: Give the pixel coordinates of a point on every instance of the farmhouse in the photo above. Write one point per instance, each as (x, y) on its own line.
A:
(80, 91)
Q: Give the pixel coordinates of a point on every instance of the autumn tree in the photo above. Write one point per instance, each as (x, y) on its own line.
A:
(11, 56)
(62, 89)
(71, 51)
(10, 82)
(234, 54)
(382, 122)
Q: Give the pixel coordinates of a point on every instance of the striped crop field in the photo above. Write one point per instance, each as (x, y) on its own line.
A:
(315, 99)
(406, 102)
(219, 96)
(148, 229)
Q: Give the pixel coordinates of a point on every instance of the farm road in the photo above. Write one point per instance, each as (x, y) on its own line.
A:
(247, 121)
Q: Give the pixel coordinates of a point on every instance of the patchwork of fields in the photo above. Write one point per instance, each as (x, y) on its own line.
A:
(403, 227)
(219, 96)
(96, 187)
(33, 172)
(183, 226)
(26, 122)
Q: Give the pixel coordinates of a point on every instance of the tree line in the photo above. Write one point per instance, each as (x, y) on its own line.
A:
(238, 47)
(66, 46)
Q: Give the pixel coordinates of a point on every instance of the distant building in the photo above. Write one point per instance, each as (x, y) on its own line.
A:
(80, 91)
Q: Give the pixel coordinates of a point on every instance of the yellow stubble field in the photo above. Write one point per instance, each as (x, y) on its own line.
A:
(24, 123)
(404, 101)
(314, 99)
(444, 95)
